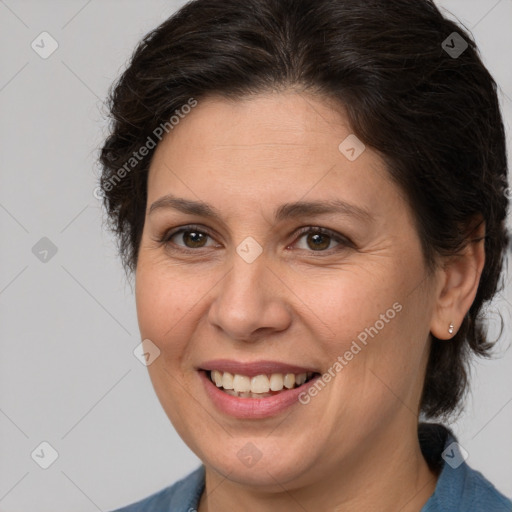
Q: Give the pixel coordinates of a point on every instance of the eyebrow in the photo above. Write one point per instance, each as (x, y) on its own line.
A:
(285, 211)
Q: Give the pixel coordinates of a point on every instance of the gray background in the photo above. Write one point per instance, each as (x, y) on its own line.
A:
(68, 326)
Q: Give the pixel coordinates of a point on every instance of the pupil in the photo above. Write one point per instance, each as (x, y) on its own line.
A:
(194, 234)
(316, 236)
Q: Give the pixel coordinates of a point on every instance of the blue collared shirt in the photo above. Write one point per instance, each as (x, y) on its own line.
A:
(459, 487)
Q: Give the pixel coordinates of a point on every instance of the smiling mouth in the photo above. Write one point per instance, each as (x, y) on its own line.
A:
(258, 386)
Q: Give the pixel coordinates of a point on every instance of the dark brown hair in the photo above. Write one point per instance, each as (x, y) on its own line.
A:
(432, 114)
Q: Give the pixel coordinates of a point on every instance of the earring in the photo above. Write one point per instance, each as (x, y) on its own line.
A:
(450, 329)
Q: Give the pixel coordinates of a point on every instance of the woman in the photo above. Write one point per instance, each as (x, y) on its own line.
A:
(311, 195)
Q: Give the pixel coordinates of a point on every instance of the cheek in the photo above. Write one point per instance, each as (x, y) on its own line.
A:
(369, 328)
(162, 301)
(170, 305)
(162, 309)
(381, 368)
(346, 303)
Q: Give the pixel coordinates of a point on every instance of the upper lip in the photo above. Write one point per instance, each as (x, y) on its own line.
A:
(253, 368)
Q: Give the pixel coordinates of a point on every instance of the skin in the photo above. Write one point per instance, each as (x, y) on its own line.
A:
(294, 304)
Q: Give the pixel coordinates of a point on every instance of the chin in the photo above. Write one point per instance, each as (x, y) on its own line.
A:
(264, 463)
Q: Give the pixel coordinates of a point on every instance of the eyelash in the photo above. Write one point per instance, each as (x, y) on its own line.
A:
(168, 235)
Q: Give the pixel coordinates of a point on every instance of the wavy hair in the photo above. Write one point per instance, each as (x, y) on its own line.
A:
(432, 115)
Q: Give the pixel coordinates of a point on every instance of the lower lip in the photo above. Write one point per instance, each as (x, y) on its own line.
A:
(251, 408)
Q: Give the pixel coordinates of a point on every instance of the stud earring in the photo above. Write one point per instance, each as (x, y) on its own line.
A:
(450, 329)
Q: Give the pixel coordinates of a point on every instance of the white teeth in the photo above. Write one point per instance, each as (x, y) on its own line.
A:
(227, 380)
(276, 382)
(259, 386)
(247, 395)
(217, 378)
(241, 383)
(301, 378)
(289, 380)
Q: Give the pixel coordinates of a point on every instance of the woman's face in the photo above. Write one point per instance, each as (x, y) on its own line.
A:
(253, 290)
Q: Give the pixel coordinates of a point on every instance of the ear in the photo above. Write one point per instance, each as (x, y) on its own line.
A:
(459, 278)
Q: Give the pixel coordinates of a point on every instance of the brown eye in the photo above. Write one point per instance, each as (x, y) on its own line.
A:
(321, 239)
(191, 238)
(318, 241)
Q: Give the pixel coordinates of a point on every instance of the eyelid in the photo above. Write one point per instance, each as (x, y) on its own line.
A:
(167, 235)
(334, 235)
(298, 233)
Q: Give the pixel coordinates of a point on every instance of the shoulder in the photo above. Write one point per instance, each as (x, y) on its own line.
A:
(466, 490)
(182, 496)
(459, 488)
(482, 495)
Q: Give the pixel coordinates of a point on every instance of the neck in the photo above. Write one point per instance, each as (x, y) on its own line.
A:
(388, 474)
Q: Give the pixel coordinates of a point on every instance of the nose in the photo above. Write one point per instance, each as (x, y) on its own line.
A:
(251, 301)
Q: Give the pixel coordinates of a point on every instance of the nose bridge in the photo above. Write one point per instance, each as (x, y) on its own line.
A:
(249, 264)
(246, 280)
(246, 301)
(244, 290)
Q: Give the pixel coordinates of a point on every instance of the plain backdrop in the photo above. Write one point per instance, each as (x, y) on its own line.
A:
(68, 327)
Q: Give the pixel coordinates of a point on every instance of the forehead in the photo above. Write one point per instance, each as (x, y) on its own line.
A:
(260, 123)
(276, 147)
